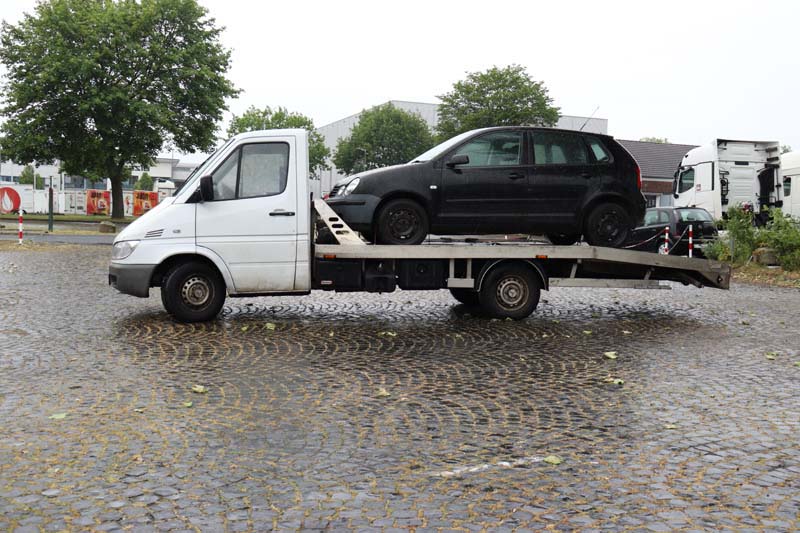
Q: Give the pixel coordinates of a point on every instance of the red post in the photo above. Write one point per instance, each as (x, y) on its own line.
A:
(691, 241)
(664, 249)
(20, 225)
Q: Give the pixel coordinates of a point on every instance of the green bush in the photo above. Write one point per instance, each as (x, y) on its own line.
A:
(717, 251)
(743, 232)
(782, 234)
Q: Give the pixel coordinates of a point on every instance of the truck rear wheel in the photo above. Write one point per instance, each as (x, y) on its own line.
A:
(510, 291)
(193, 292)
(466, 296)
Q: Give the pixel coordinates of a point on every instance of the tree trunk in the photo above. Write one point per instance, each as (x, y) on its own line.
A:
(117, 201)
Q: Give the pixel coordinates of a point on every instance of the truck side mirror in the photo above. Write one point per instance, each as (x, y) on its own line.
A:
(206, 189)
(459, 159)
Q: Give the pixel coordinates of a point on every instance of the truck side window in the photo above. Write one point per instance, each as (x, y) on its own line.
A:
(686, 180)
(225, 178)
(787, 186)
(264, 168)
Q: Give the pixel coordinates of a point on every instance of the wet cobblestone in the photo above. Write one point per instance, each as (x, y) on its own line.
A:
(394, 412)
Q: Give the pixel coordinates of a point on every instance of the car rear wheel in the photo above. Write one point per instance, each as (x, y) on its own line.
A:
(563, 239)
(466, 296)
(510, 291)
(193, 292)
(608, 225)
(402, 221)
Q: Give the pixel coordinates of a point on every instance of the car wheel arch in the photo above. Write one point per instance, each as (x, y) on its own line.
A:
(170, 262)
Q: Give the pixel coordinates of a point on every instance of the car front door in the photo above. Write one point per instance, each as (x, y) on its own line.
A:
(649, 236)
(562, 175)
(490, 192)
(251, 222)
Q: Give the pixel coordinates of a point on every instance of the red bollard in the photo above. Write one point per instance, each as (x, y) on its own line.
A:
(20, 226)
(664, 248)
(691, 241)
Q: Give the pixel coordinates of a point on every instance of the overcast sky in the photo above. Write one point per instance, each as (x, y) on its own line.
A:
(688, 71)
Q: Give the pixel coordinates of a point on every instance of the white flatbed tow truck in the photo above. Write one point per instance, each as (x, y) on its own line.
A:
(245, 225)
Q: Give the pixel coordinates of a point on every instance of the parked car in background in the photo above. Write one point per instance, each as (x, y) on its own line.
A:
(559, 183)
(649, 237)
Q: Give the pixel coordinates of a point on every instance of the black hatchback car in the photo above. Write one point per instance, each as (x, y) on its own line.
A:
(559, 183)
(649, 237)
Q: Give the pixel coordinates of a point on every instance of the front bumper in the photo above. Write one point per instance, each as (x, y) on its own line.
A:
(131, 279)
(357, 210)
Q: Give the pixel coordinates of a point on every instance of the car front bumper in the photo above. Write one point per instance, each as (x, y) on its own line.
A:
(357, 210)
(131, 279)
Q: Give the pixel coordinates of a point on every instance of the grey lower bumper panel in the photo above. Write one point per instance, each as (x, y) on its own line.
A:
(131, 279)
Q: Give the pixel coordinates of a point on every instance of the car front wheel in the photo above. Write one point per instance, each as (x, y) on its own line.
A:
(402, 221)
(608, 225)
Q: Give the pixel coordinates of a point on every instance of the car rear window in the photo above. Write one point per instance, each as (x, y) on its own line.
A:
(694, 215)
(599, 151)
(559, 148)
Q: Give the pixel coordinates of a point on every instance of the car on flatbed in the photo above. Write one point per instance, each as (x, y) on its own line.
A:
(563, 184)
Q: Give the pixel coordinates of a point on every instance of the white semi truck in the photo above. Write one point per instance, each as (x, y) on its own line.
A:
(245, 224)
(790, 170)
(728, 173)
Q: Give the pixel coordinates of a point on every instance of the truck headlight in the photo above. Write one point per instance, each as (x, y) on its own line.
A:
(351, 187)
(123, 249)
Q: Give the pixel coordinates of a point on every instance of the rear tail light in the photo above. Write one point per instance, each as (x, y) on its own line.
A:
(639, 177)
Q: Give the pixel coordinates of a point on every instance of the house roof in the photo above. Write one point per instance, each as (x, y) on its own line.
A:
(657, 160)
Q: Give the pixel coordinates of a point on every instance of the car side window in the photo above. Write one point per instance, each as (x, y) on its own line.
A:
(263, 169)
(500, 148)
(258, 169)
(686, 180)
(558, 148)
(663, 217)
(599, 151)
(651, 218)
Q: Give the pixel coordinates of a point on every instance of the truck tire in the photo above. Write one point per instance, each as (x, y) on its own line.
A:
(402, 221)
(193, 292)
(608, 225)
(466, 296)
(510, 291)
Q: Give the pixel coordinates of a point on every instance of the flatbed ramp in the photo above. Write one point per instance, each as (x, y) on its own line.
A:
(566, 266)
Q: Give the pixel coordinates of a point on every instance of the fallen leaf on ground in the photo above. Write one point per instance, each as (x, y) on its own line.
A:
(610, 355)
(330, 334)
(387, 334)
(626, 332)
(270, 326)
(553, 460)
(187, 404)
(670, 426)
(244, 328)
(382, 393)
(771, 355)
(587, 332)
(58, 416)
(615, 381)
(199, 389)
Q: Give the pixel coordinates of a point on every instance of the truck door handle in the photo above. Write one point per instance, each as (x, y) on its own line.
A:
(281, 213)
(586, 175)
(516, 176)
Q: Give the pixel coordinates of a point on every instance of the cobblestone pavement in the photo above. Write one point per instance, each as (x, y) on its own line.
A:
(396, 411)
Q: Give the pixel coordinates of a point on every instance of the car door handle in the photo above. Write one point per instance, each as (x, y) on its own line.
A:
(586, 174)
(516, 176)
(281, 213)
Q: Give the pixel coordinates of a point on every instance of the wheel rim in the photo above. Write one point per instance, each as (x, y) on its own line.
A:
(196, 291)
(512, 292)
(609, 226)
(404, 223)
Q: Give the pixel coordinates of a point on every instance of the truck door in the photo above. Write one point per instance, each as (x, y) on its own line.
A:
(251, 223)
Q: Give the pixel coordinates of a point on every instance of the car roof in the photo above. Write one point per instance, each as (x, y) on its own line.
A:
(541, 128)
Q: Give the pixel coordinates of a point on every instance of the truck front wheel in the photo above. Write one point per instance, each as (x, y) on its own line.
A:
(510, 291)
(193, 292)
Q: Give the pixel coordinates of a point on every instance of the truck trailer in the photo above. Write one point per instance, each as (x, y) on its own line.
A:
(230, 237)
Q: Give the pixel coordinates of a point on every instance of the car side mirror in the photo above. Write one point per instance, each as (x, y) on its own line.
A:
(459, 159)
(676, 195)
(206, 189)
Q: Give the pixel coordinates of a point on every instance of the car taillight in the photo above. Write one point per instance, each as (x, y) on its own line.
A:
(639, 177)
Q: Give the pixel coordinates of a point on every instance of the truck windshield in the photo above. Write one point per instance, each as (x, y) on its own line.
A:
(201, 168)
(441, 148)
(694, 215)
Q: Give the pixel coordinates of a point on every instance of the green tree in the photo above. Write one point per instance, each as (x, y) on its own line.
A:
(383, 136)
(785, 149)
(103, 84)
(26, 177)
(659, 140)
(266, 119)
(144, 183)
(495, 97)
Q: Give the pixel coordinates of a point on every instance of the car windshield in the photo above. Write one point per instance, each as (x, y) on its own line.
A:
(694, 215)
(441, 148)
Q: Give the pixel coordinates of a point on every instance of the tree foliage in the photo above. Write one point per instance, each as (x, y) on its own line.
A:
(785, 149)
(495, 97)
(383, 136)
(26, 176)
(265, 119)
(144, 183)
(658, 140)
(103, 84)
